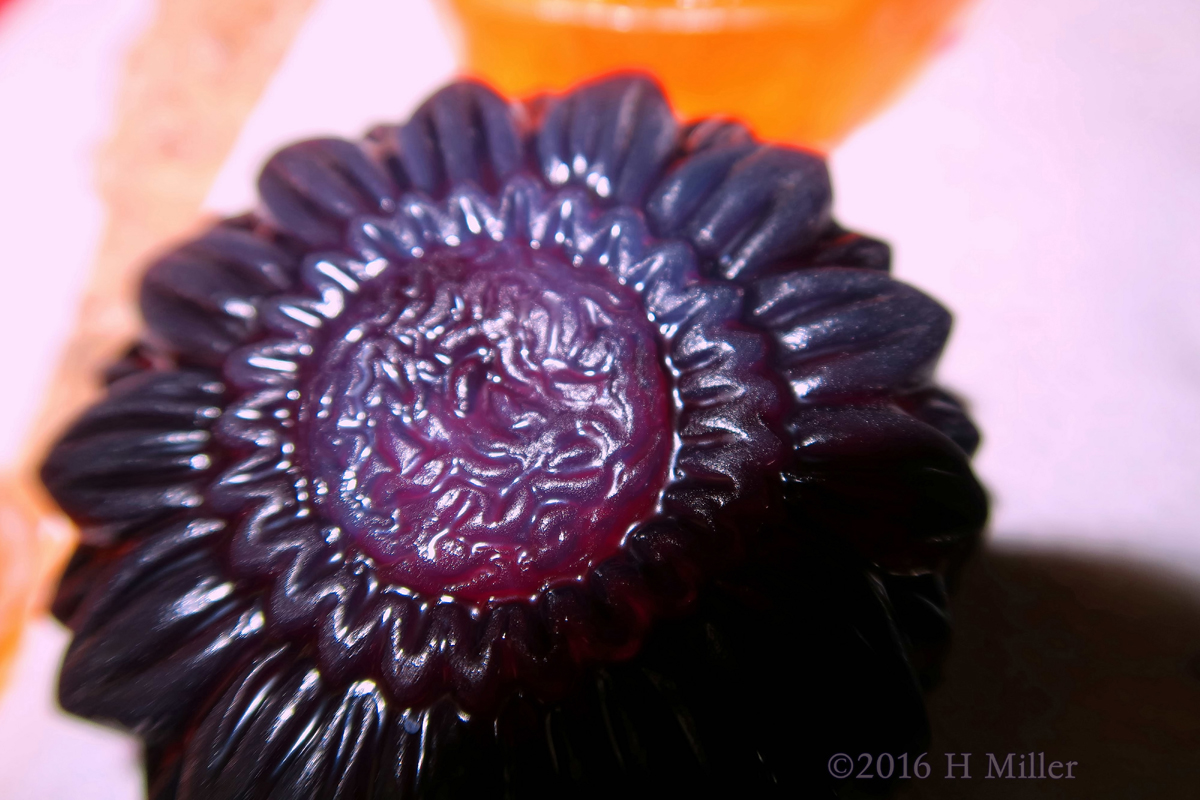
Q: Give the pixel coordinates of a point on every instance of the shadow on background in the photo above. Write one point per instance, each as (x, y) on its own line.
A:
(1086, 658)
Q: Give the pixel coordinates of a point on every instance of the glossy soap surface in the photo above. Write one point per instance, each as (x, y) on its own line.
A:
(489, 421)
(526, 449)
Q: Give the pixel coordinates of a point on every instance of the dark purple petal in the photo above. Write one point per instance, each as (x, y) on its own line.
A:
(435, 752)
(689, 185)
(842, 248)
(945, 412)
(612, 136)
(463, 134)
(340, 763)
(742, 206)
(312, 189)
(845, 333)
(156, 632)
(200, 299)
(142, 452)
(920, 606)
(713, 132)
(899, 490)
(86, 565)
(269, 721)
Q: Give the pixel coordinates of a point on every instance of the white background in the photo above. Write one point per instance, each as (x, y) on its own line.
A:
(1042, 178)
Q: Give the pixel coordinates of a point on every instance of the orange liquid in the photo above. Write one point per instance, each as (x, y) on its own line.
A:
(35, 542)
(802, 71)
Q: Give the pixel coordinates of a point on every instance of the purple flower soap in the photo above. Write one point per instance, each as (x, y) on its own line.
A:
(542, 449)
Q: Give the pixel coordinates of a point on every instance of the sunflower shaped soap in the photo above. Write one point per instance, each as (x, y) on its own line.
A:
(545, 449)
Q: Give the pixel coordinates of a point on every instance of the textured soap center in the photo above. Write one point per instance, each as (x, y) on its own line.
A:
(489, 421)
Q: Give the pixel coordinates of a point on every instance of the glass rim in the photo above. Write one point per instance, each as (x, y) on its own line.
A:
(696, 17)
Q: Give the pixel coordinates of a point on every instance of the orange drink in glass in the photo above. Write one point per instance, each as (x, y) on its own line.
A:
(802, 71)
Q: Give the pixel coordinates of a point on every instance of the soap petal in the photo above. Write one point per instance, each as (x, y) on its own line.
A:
(846, 333)
(744, 206)
(612, 136)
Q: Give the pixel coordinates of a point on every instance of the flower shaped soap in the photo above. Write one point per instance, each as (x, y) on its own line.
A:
(526, 450)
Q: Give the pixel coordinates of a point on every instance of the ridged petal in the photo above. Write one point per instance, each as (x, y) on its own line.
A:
(340, 763)
(264, 727)
(465, 133)
(849, 333)
(743, 206)
(141, 453)
(613, 136)
(896, 488)
(312, 189)
(156, 631)
(200, 299)
(945, 412)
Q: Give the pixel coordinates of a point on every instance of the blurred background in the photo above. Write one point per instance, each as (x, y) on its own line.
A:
(1040, 176)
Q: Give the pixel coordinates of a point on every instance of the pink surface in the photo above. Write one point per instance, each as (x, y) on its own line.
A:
(1041, 179)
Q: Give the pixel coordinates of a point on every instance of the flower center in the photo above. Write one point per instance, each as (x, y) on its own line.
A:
(489, 421)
